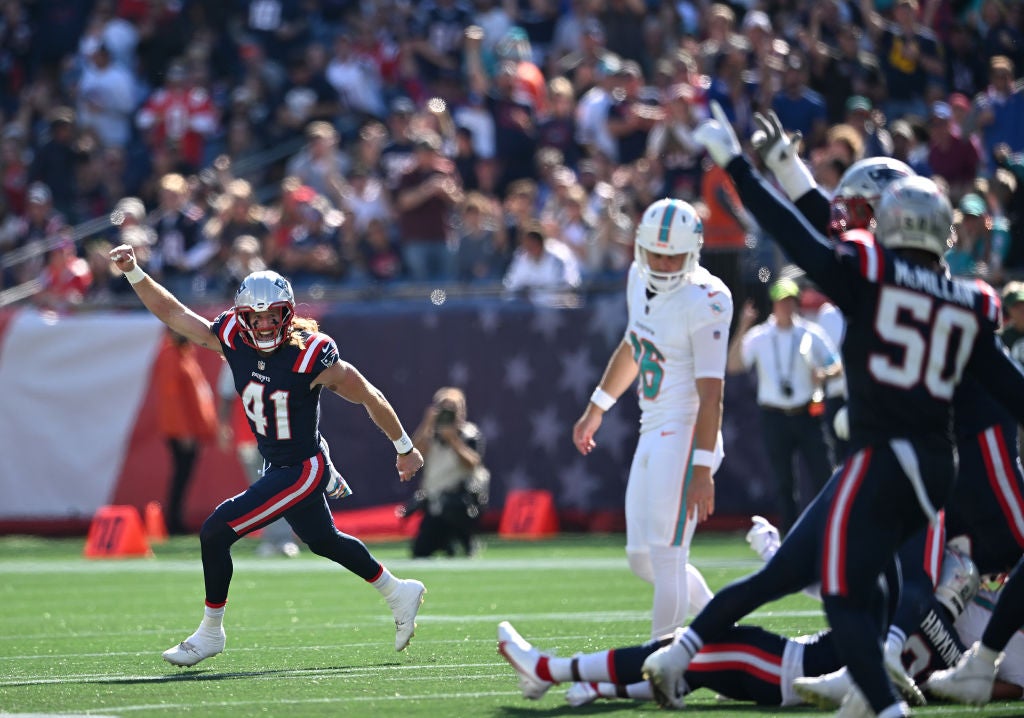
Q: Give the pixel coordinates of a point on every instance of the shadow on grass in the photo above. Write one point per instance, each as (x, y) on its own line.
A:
(205, 674)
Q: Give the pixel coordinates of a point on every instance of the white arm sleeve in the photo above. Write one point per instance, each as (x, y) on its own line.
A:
(226, 383)
(710, 349)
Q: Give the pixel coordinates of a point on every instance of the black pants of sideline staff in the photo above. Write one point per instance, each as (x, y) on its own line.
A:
(789, 434)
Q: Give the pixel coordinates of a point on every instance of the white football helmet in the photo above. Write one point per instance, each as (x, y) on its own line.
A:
(914, 213)
(958, 583)
(669, 226)
(859, 189)
(261, 292)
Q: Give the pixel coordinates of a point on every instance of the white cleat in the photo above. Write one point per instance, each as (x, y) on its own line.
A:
(523, 657)
(901, 679)
(855, 705)
(664, 670)
(581, 694)
(405, 604)
(827, 691)
(198, 647)
(969, 681)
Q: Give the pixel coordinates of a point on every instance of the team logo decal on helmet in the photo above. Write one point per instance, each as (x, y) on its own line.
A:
(914, 213)
(859, 189)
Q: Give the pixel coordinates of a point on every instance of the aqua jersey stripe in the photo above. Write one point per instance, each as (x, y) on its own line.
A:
(666, 222)
(677, 538)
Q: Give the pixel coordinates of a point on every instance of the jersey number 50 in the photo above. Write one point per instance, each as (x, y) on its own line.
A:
(933, 355)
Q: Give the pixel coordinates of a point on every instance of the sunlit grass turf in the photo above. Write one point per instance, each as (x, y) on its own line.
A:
(308, 639)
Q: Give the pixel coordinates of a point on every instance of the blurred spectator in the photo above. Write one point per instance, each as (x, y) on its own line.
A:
(437, 36)
(65, 278)
(278, 26)
(106, 96)
(380, 255)
(876, 139)
(396, 155)
(479, 257)
(355, 79)
(586, 53)
(186, 419)
(965, 63)
(542, 268)
(53, 160)
(424, 198)
(843, 71)
(315, 253)
(14, 167)
(732, 86)
(238, 214)
(670, 144)
(1000, 111)
(1012, 332)
(180, 116)
(41, 223)
(799, 107)
(320, 164)
(726, 227)
(244, 259)
(181, 248)
(907, 148)
(592, 109)
(307, 97)
(909, 54)
(623, 22)
(631, 116)
(1001, 38)
(364, 199)
(968, 256)
(557, 128)
(515, 127)
(953, 158)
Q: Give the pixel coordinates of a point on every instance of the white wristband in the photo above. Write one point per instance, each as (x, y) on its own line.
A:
(602, 399)
(703, 457)
(135, 275)
(403, 444)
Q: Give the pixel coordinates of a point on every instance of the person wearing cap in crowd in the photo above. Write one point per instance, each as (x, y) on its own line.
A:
(793, 358)
(396, 155)
(978, 250)
(424, 197)
(1000, 111)
(953, 158)
(592, 109)
(1012, 332)
(51, 161)
(630, 117)
(800, 108)
(877, 140)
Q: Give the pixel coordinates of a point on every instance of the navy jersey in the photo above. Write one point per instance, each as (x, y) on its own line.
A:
(912, 332)
(282, 408)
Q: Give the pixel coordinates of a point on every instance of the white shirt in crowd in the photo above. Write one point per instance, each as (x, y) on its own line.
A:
(554, 269)
(787, 357)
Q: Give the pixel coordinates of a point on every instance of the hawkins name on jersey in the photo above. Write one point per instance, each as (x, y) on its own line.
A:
(661, 331)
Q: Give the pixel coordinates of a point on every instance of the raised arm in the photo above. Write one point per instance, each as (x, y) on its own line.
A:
(801, 242)
(164, 305)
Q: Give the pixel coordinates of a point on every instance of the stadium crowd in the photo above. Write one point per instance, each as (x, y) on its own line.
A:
(347, 144)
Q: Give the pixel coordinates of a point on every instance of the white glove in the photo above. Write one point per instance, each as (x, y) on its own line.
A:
(718, 137)
(763, 538)
(841, 424)
(778, 151)
(337, 487)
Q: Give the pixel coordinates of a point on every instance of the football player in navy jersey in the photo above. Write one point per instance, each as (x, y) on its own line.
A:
(912, 333)
(985, 511)
(280, 365)
(748, 663)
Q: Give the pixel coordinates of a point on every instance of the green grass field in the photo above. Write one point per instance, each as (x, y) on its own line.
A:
(306, 638)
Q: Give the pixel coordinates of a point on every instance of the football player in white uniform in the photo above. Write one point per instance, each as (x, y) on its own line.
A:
(676, 343)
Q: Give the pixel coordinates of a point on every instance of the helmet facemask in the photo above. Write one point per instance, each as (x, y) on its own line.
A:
(265, 338)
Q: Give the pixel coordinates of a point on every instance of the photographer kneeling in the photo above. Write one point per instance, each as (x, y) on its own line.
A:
(454, 487)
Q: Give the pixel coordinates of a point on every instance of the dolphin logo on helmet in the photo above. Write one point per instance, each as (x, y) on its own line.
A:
(668, 227)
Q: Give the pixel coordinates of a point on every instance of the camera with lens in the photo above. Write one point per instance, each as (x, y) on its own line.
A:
(444, 418)
(786, 388)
